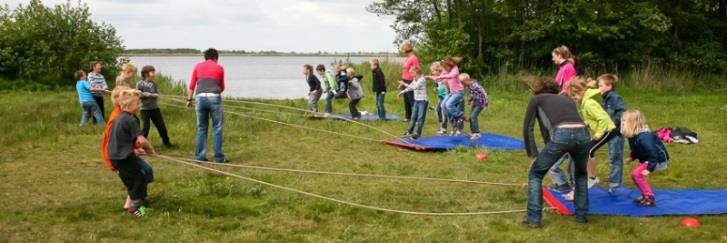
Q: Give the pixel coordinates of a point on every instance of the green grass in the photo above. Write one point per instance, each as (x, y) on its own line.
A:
(56, 188)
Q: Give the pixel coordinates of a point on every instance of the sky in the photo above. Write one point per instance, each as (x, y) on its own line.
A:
(251, 25)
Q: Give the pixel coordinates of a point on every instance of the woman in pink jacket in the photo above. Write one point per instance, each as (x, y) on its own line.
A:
(566, 69)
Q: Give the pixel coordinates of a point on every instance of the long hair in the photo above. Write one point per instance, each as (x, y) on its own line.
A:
(579, 85)
(632, 121)
(563, 52)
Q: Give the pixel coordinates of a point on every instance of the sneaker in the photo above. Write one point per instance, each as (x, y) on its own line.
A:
(170, 145)
(407, 135)
(442, 131)
(611, 191)
(648, 201)
(639, 199)
(569, 196)
(141, 211)
(225, 161)
(565, 188)
(592, 182)
(327, 114)
(415, 136)
(524, 220)
(475, 136)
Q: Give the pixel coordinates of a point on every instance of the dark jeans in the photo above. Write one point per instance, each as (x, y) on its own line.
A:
(441, 114)
(329, 101)
(576, 142)
(419, 116)
(99, 102)
(380, 106)
(155, 116)
(352, 106)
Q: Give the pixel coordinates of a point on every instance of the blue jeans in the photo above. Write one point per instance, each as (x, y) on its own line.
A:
(418, 116)
(209, 107)
(474, 118)
(146, 170)
(454, 105)
(329, 101)
(442, 114)
(380, 106)
(557, 174)
(615, 153)
(92, 109)
(576, 142)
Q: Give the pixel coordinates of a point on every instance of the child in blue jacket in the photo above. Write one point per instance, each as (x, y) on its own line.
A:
(648, 149)
(615, 107)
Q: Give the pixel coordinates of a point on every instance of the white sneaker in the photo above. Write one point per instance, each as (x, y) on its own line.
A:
(475, 136)
(442, 131)
(568, 196)
(592, 182)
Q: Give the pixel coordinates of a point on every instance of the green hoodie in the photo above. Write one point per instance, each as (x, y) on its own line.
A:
(329, 82)
(594, 115)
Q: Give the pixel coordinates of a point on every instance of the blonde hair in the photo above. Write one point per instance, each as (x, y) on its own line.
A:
(123, 79)
(632, 121)
(128, 96)
(464, 76)
(579, 85)
(350, 70)
(376, 62)
(563, 52)
(435, 66)
(116, 93)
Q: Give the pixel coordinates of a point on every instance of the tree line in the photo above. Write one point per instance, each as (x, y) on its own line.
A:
(47, 44)
(614, 35)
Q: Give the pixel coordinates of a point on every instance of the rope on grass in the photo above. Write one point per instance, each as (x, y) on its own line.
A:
(353, 204)
(291, 125)
(303, 110)
(351, 174)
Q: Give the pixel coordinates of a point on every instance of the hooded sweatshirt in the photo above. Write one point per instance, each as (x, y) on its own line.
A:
(593, 115)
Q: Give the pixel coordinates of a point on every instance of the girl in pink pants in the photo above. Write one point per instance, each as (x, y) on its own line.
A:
(648, 149)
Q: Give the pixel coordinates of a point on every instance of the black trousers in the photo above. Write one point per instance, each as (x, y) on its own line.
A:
(352, 107)
(99, 101)
(131, 175)
(155, 116)
(408, 101)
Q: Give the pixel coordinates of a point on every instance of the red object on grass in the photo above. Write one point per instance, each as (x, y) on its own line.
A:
(481, 156)
(690, 222)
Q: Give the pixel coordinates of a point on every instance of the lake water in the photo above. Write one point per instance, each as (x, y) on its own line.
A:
(268, 77)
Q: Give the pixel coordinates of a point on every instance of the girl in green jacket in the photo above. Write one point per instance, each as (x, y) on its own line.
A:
(600, 125)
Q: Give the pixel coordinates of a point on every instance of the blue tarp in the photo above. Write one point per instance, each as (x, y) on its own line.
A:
(440, 143)
(367, 117)
(668, 202)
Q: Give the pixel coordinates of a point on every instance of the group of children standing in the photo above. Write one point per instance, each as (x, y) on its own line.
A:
(124, 141)
(451, 85)
(609, 122)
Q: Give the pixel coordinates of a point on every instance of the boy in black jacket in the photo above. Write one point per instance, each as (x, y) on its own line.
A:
(379, 87)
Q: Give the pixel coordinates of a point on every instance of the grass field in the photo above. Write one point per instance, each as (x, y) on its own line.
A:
(55, 187)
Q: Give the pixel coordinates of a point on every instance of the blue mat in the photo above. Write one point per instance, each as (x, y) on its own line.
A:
(668, 202)
(441, 143)
(367, 117)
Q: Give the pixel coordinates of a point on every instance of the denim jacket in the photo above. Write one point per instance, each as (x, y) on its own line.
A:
(614, 106)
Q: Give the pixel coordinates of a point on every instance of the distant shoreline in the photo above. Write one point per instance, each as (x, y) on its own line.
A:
(265, 55)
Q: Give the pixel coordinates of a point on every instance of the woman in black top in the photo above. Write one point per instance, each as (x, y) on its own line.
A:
(563, 132)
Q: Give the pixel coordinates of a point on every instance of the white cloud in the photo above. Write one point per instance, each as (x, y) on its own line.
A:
(284, 25)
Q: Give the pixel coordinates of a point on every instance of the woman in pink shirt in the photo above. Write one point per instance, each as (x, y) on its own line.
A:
(454, 102)
(410, 62)
(566, 71)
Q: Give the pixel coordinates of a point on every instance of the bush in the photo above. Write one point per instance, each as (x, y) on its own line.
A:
(47, 44)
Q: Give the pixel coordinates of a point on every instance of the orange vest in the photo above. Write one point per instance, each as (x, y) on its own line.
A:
(104, 146)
